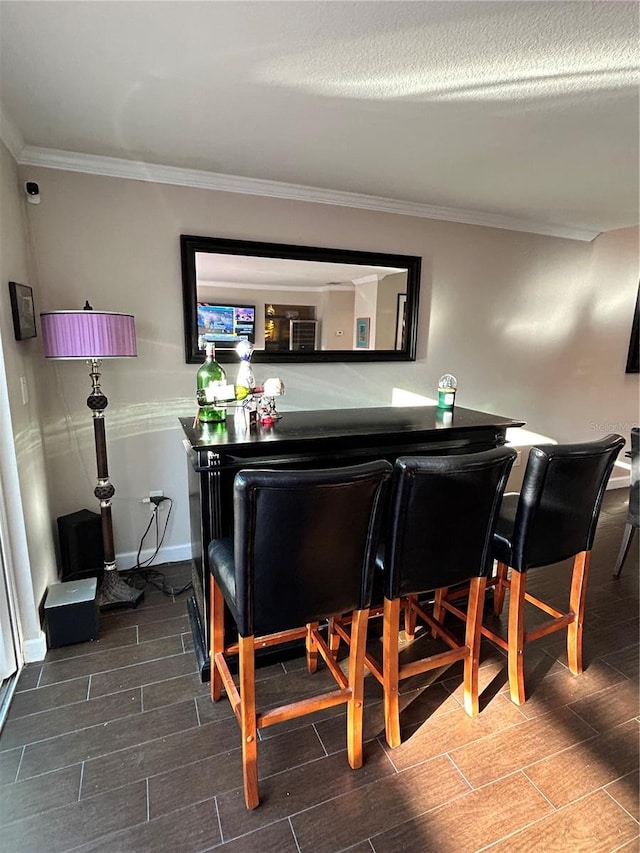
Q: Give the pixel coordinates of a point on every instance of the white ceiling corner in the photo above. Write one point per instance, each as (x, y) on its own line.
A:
(10, 135)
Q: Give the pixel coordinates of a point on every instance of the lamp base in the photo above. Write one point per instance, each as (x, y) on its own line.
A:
(115, 592)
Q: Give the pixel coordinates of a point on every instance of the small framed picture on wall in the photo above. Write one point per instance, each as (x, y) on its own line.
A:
(22, 311)
(362, 332)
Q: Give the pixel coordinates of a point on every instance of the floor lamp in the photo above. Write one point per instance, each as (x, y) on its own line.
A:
(92, 336)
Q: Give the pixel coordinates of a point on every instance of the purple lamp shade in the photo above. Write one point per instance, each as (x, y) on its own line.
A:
(88, 334)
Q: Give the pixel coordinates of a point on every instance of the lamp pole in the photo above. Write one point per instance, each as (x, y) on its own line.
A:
(114, 592)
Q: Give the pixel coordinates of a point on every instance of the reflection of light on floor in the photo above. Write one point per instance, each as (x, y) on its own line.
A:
(400, 397)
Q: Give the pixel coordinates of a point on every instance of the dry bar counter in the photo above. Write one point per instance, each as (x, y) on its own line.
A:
(216, 452)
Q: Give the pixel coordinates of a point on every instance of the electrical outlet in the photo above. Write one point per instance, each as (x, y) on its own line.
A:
(156, 498)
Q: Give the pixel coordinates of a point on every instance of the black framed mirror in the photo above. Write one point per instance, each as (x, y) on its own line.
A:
(298, 303)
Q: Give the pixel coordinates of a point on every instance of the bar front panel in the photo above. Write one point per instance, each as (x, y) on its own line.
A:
(307, 440)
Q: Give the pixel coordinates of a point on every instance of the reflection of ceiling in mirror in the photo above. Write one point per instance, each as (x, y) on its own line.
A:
(278, 272)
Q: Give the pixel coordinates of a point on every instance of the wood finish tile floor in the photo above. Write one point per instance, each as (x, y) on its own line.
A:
(114, 747)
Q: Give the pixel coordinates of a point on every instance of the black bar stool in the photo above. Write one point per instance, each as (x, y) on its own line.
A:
(552, 519)
(303, 550)
(443, 512)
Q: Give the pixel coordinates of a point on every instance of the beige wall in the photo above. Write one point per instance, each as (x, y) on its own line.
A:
(365, 307)
(336, 328)
(387, 308)
(27, 542)
(534, 327)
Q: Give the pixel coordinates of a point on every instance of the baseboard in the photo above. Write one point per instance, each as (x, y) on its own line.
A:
(169, 554)
(34, 650)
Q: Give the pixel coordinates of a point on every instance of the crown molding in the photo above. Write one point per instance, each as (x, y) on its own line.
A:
(115, 167)
(10, 135)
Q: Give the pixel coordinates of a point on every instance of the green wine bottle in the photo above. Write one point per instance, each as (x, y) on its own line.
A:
(209, 377)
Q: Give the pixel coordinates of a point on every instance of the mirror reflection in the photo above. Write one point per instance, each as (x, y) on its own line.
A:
(298, 303)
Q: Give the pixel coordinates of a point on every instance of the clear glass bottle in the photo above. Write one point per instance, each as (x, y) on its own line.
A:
(209, 378)
(245, 380)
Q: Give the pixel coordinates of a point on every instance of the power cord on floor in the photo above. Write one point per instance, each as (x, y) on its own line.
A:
(142, 571)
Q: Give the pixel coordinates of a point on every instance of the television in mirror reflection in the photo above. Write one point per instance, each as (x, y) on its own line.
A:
(226, 325)
(305, 301)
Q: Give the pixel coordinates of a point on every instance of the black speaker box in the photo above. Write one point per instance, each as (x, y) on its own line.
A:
(71, 612)
(81, 550)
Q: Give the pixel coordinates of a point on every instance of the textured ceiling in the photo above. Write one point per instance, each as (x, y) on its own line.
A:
(522, 109)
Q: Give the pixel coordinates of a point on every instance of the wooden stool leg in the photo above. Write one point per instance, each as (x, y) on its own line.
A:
(516, 637)
(248, 721)
(355, 704)
(410, 617)
(500, 588)
(216, 636)
(438, 609)
(576, 605)
(312, 647)
(472, 641)
(333, 638)
(390, 669)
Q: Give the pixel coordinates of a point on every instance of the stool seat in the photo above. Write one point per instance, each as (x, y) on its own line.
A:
(221, 556)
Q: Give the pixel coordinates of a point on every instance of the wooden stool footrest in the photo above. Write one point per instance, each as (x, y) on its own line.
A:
(302, 707)
(433, 662)
(270, 640)
(549, 627)
(339, 676)
(437, 627)
(228, 683)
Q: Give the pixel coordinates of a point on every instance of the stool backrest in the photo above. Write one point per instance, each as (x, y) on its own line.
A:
(443, 515)
(305, 543)
(560, 500)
